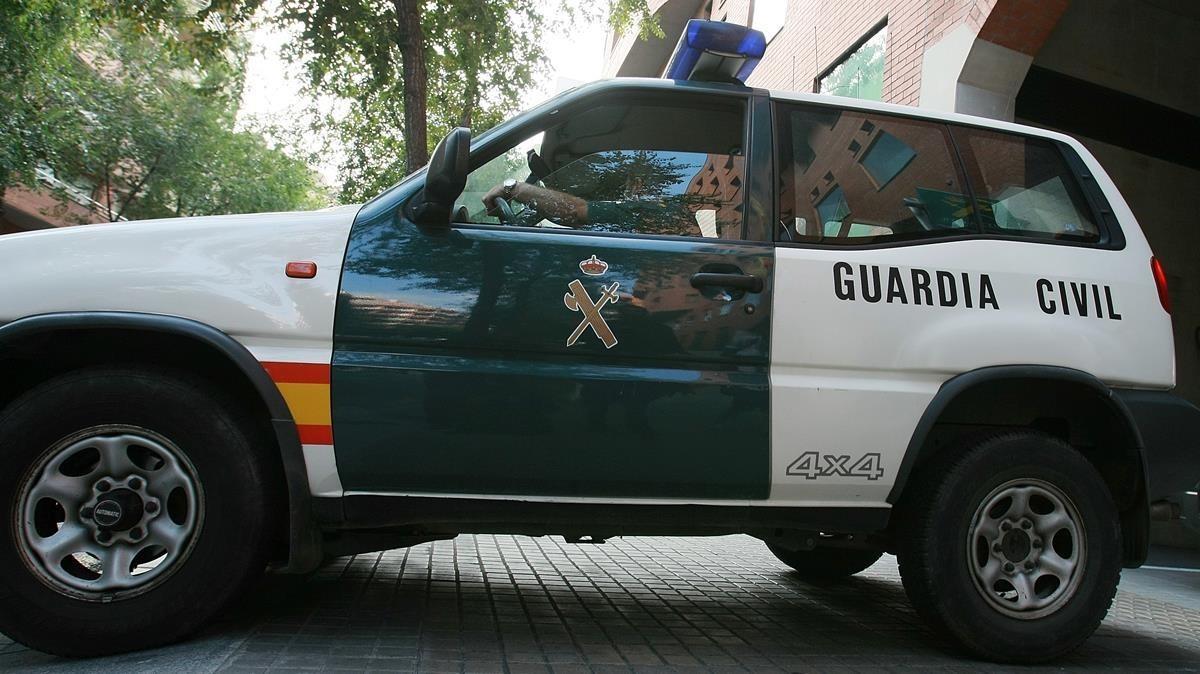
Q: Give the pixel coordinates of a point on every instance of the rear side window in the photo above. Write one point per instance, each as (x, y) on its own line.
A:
(1023, 187)
(851, 177)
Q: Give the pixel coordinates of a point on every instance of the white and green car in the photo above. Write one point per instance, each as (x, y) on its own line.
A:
(644, 307)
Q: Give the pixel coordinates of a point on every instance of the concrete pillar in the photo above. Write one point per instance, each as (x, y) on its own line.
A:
(962, 73)
(979, 72)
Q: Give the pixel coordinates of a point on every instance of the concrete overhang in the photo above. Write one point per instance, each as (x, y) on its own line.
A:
(634, 57)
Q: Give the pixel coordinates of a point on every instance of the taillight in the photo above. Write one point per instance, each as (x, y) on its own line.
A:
(1160, 281)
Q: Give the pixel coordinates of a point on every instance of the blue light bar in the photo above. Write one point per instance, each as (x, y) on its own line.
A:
(716, 51)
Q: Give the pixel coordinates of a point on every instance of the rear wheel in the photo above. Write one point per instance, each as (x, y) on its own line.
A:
(1013, 547)
(138, 508)
(826, 564)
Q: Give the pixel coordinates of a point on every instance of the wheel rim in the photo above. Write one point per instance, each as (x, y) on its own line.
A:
(1027, 548)
(108, 513)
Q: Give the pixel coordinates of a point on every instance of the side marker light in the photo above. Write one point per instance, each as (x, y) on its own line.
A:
(301, 269)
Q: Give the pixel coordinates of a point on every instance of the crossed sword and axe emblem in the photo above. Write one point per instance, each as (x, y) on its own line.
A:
(579, 300)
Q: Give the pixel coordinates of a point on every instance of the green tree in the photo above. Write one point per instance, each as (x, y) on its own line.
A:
(40, 38)
(473, 59)
(156, 133)
(136, 101)
(32, 39)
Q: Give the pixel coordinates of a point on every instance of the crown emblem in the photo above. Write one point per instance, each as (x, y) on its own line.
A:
(593, 266)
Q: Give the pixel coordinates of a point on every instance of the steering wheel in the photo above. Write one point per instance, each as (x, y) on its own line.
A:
(507, 217)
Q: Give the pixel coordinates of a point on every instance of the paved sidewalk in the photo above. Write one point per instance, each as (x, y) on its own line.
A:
(519, 604)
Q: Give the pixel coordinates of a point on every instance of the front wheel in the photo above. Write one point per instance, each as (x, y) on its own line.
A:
(135, 508)
(1013, 547)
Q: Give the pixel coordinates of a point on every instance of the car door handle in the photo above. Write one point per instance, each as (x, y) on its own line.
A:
(745, 282)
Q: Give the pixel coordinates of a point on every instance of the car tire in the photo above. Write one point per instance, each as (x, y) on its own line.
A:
(822, 565)
(1012, 547)
(152, 464)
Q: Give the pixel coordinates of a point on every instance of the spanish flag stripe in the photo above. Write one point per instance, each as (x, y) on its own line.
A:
(309, 403)
(305, 388)
(315, 435)
(298, 373)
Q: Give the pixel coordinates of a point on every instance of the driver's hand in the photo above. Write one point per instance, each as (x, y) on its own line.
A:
(489, 199)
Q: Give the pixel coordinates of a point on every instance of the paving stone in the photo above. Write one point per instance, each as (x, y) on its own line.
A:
(518, 604)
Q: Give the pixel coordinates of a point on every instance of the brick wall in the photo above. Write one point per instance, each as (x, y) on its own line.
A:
(817, 32)
(1022, 25)
(23, 209)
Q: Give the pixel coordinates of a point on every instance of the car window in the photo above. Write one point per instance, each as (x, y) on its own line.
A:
(849, 177)
(1024, 187)
(513, 163)
(643, 168)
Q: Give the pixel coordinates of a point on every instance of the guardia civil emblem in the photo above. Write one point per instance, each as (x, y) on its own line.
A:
(579, 300)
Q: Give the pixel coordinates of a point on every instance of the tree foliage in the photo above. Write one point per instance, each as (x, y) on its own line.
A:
(479, 58)
(626, 15)
(136, 104)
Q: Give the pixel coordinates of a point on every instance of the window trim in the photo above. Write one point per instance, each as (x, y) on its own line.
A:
(750, 100)
(570, 231)
(849, 51)
(1111, 233)
(1111, 238)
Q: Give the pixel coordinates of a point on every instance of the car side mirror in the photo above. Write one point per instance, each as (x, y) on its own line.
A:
(445, 178)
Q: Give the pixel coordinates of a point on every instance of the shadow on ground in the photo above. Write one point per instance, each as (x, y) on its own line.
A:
(517, 604)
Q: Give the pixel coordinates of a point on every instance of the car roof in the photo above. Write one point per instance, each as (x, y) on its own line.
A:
(915, 112)
(659, 84)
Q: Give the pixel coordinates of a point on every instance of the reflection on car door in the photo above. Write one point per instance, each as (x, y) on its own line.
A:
(485, 360)
(482, 359)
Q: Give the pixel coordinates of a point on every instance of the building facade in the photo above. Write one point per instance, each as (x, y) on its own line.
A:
(26, 208)
(1121, 75)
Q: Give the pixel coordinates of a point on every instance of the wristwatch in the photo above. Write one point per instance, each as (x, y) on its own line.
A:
(510, 187)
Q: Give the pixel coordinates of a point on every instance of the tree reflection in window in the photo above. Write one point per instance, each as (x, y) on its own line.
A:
(651, 191)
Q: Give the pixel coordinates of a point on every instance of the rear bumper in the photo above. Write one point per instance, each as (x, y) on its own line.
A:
(1170, 432)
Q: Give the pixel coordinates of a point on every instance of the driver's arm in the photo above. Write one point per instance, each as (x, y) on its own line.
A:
(567, 209)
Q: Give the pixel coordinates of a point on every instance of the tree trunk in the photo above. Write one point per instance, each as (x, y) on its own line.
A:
(136, 190)
(472, 100)
(411, 40)
(108, 192)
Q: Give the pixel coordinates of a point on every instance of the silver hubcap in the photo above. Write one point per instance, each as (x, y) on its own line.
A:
(108, 513)
(1027, 548)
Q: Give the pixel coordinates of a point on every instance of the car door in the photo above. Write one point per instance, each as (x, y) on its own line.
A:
(623, 357)
(913, 250)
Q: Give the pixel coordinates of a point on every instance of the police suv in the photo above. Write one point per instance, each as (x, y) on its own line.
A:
(673, 307)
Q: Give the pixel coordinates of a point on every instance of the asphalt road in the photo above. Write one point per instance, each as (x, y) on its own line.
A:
(519, 604)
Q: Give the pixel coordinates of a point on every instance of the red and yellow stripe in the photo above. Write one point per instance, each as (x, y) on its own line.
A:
(305, 387)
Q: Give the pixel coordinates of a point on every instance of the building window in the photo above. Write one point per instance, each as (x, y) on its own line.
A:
(768, 16)
(886, 158)
(859, 74)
